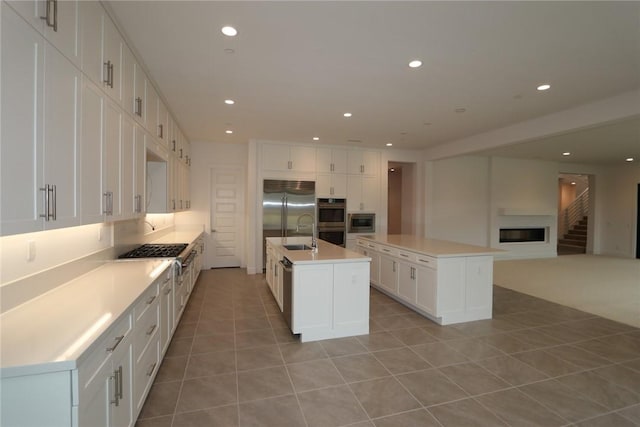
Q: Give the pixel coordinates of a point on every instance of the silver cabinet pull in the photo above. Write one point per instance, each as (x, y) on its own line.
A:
(181, 153)
(151, 329)
(394, 266)
(118, 341)
(49, 199)
(117, 386)
(110, 75)
(107, 72)
(361, 168)
(54, 202)
(404, 255)
(150, 300)
(108, 203)
(174, 145)
(151, 369)
(160, 131)
(139, 106)
(49, 17)
(167, 291)
(289, 164)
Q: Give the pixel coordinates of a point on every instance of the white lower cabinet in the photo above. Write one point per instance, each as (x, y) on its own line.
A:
(449, 289)
(389, 273)
(105, 397)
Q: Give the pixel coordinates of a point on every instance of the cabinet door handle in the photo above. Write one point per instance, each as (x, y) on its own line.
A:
(181, 153)
(45, 202)
(118, 341)
(139, 106)
(151, 369)
(49, 16)
(332, 168)
(117, 386)
(404, 255)
(413, 273)
(290, 164)
(106, 72)
(174, 145)
(167, 291)
(160, 131)
(54, 202)
(151, 329)
(361, 206)
(110, 75)
(394, 266)
(361, 168)
(150, 300)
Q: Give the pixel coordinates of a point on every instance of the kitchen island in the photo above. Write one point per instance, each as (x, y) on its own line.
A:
(448, 282)
(323, 294)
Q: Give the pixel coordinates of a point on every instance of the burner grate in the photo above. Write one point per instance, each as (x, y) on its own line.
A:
(156, 250)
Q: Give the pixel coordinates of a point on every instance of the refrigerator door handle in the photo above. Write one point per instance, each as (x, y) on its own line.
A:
(282, 215)
(285, 216)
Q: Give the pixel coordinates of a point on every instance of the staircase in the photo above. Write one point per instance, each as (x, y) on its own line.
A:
(575, 240)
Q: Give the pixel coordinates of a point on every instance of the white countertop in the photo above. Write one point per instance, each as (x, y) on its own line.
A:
(431, 247)
(327, 253)
(54, 331)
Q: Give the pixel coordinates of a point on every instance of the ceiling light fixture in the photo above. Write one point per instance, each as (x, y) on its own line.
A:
(229, 101)
(229, 131)
(629, 159)
(544, 87)
(229, 31)
(347, 114)
(566, 153)
(573, 183)
(315, 138)
(415, 63)
(389, 144)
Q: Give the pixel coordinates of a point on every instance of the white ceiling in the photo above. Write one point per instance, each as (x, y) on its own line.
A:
(298, 66)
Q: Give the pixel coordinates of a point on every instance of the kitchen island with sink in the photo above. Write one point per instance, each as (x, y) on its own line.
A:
(323, 294)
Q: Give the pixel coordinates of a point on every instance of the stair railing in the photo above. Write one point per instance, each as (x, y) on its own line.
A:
(575, 212)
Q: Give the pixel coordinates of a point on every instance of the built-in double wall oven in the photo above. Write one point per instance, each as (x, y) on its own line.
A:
(332, 221)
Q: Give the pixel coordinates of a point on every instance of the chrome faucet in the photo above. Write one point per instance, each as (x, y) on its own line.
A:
(314, 242)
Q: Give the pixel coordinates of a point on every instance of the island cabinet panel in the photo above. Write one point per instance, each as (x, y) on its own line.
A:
(389, 273)
(312, 298)
(351, 296)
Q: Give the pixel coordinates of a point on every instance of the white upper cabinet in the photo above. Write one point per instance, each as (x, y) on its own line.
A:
(139, 94)
(363, 162)
(331, 160)
(162, 122)
(283, 157)
(362, 193)
(101, 49)
(40, 147)
(128, 81)
(57, 20)
(331, 185)
(151, 115)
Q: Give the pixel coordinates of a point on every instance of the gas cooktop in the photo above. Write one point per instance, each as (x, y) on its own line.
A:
(156, 250)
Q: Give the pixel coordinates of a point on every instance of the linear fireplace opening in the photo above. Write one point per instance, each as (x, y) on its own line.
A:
(529, 234)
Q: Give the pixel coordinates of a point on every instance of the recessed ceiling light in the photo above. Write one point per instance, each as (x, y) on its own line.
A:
(229, 131)
(389, 144)
(566, 153)
(315, 138)
(544, 87)
(415, 63)
(460, 110)
(392, 170)
(229, 101)
(629, 159)
(229, 31)
(573, 183)
(347, 114)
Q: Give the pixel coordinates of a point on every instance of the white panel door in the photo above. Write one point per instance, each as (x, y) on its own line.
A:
(227, 217)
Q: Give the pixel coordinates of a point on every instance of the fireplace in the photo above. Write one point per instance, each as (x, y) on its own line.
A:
(523, 235)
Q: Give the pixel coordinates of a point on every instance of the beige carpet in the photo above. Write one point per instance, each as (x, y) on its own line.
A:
(606, 286)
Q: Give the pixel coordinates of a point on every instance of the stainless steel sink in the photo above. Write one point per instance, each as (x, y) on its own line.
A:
(299, 247)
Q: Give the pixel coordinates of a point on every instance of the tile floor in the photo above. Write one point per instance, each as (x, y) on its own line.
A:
(233, 362)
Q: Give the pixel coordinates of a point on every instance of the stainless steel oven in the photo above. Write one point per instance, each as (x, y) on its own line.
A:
(362, 223)
(332, 215)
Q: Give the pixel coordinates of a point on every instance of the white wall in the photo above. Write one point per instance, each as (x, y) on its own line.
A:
(618, 189)
(206, 155)
(457, 200)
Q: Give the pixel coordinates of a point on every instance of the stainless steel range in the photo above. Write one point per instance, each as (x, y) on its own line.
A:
(182, 252)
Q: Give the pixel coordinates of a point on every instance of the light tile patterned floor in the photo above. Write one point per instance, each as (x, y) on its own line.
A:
(233, 362)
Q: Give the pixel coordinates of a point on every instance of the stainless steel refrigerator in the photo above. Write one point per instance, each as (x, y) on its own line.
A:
(288, 209)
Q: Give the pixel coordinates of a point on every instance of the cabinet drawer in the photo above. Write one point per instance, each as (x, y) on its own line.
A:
(388, 250)
(427, 261)
(407, 256)
(371, 245)
(112, 340)
(145, 329)
(145, 371)
(146, 300)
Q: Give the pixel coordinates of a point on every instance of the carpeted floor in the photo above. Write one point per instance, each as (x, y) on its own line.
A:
(606, 286)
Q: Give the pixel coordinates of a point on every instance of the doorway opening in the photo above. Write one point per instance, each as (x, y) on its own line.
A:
(573, 213)
(401, 199)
